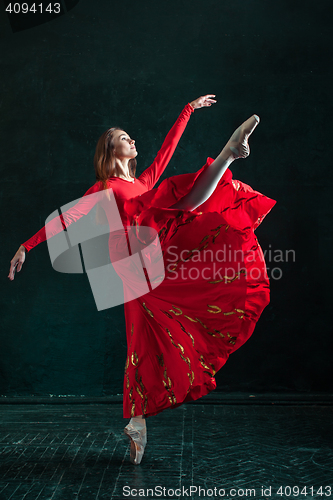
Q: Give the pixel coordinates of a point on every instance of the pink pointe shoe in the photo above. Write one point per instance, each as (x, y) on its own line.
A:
(238, 142)
(138, 439)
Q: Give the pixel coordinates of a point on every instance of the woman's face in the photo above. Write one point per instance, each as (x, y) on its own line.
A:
(123, 145)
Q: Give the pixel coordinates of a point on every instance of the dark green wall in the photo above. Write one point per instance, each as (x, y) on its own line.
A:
(136, 64)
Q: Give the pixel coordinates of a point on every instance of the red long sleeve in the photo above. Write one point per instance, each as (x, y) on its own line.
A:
(151, 175)
(62, 221)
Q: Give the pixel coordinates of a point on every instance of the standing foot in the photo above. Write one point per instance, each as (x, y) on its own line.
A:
(138, 439)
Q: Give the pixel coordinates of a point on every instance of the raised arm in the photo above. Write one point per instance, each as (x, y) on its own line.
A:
(151, 175)
(53, 227)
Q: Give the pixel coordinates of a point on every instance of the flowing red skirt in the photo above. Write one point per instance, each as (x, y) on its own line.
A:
(215, 288)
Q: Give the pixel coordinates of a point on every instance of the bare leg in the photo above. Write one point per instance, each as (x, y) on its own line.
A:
(205, 184)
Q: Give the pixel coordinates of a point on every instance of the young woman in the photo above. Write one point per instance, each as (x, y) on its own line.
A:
(215, 285)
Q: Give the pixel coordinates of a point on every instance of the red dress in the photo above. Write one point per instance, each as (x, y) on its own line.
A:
(215, 288)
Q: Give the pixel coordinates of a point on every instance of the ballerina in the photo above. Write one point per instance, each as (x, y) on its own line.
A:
(176, 342)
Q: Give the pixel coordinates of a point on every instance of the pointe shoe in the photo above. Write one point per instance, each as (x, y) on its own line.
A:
(238, 142)
(138, 439)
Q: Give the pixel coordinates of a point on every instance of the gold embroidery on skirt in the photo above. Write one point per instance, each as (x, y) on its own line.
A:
(215, 236)
(189, 255)
(188, 333)
(232, 339)
(204, 364)
(201, 323)
(126, 374)
(178, 311)
(191, 378)
(160, 359)
(205, 238)
(217, 334)
(141, 391)
(161, 231)
(167, 314)
(134, 357)
(229, 280)
(182, 354)
(148, 311)
(215, 309)
(172, 268)
(191, 319)
(190, 219)
(172, 341)
(217, 228)
(128, 360)
(197, 320)
(187, 360)
(228, 313)
(132, 402)
(168, 384)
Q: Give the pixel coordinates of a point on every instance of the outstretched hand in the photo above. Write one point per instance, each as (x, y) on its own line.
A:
(17, 261)
(203, 101)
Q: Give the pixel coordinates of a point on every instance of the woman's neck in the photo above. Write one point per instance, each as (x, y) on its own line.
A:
(122, 168)
(128, 178)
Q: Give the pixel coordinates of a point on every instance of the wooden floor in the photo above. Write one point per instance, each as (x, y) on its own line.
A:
(80, 452)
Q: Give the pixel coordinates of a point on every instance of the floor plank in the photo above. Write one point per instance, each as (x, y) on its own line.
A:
(50, 452)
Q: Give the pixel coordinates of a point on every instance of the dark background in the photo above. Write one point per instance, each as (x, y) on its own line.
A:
(136, 64)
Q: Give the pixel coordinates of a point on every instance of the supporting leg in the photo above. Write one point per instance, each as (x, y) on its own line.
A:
(136, 431)
(138, 422)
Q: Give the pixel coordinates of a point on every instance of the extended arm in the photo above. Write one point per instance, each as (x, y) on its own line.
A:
(53, 227)
(151, 175)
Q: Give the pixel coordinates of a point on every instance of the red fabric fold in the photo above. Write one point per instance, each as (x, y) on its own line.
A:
(242, 206)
